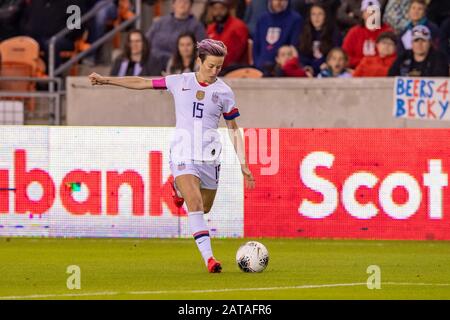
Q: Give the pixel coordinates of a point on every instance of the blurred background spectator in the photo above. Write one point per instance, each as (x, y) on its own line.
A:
(254, 10)
(164, 32)
(303, 6)
(349, 14)
(423, 60)
(11, 12)
(360, 41)
(241, 7)
(184, 59)
(320, 34)
(438, 11)
(280, 26)
(445, 33)
(396, 14)
(171, 39)
(231, 31)
(287, 64)
(43, 19)
(336, 65)
(98, 27)
(379, 65)
(417, 16)
(134, 61)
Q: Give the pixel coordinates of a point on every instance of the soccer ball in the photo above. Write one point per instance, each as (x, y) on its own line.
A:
(252, 257)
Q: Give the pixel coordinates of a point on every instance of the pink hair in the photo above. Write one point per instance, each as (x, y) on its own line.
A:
(210, 47)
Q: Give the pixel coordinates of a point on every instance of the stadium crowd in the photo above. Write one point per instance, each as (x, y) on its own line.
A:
(281, 38)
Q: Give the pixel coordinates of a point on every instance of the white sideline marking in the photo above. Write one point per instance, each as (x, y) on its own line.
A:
(316, 286)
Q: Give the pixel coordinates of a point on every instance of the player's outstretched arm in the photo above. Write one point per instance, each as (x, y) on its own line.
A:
(136, 83)
(238, 143)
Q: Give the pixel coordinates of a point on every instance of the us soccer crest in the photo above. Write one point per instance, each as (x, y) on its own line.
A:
(273, 35)
(200, 95)
(215, 98)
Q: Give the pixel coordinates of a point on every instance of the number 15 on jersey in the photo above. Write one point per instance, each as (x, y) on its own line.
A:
(197, 110)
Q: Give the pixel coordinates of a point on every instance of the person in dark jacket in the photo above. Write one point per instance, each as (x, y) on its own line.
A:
(280, 26)
(445, 33)
(163, 33)
(253, 11)
(134, 61)
(10, 15)
(423, 60)
(304, 6)
(438, 11)
(319, 36)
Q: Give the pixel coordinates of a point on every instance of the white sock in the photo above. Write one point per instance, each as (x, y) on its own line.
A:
(200, 232)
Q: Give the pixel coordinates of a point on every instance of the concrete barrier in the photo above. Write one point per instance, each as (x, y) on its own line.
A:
(263, 103)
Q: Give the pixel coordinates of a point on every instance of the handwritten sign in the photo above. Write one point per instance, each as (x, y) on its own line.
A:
(422, 98)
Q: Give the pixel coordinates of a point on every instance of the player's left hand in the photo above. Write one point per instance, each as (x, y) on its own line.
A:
(248, 177)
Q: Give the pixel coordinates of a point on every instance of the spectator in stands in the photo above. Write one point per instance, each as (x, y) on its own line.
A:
(254, 10)
(98, 26)
(360, 41)
(396, 14)
(319, 36)
(438, 11)
(278, 27)
(423, 60)
(163, 33)
(231, 31)
(336, 66)
(184, 59)
(379, 65)
(43, 19)
(287, 64)
(241, 7)
(10, 15)
(134, 61)
(416, 16)
(445, 33)
(349, 13)
(303, 7)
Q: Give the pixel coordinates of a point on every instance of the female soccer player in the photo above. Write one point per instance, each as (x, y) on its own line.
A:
(200, 99)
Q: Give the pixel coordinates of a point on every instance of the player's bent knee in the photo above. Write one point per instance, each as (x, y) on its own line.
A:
(194, 204)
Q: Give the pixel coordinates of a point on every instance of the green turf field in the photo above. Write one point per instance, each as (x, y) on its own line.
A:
(172, 269)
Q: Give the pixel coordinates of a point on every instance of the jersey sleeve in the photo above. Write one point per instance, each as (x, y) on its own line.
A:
(229, 109)
(170, 83)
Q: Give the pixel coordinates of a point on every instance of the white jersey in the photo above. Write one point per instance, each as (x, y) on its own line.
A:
(198, 109)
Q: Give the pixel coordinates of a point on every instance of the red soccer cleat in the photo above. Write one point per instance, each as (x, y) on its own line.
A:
(214, 266)
(177, 200)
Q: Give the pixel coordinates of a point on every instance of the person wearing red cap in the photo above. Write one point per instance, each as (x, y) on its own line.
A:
(231, 31)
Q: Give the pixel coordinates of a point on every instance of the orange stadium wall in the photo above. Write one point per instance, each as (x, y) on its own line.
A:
(263, 103)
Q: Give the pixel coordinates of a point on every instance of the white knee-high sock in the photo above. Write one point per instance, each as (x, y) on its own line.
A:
(200, 232)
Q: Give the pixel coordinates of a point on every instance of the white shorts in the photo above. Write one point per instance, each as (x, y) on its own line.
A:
(208, 173)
